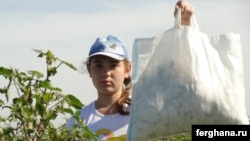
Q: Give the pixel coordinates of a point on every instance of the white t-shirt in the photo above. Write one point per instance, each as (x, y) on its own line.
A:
(105, 126)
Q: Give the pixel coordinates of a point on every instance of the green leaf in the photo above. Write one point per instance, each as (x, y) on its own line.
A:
(52, 115)
(40, 108)
(47, 85)
(69, 65)
(8, 130)
(16, 101)
(1, 103)
(50, 58)
(5, 71)
(7, 94)
(49, 53)
(4, 90)
(47, 97)
(67, 110)
(38, 51)
(77, 113)
(36, 73)
(26, 112)
(2, 119)
(73, 101)
(52, 71)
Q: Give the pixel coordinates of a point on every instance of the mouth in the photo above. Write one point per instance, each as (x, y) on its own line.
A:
(106, 83)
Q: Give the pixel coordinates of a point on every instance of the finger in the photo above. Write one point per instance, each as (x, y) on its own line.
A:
(187, 10)
(184, 11)
(128, 101)
(190, 11)
(179, 6)
(176, 9)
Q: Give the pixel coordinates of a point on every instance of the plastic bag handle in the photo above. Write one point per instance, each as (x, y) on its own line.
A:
(193, 22)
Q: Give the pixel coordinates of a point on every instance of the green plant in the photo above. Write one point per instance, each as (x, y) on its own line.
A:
(37, 104)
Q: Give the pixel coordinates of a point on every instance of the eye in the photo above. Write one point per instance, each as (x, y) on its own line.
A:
(114, 63)
(97, 64)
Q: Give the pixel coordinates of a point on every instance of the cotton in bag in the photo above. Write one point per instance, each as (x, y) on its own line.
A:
(183, 77)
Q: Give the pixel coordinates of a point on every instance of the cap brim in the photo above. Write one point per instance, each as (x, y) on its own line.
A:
(111, 55)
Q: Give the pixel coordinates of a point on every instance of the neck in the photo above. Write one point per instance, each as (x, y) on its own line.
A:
(107, 104)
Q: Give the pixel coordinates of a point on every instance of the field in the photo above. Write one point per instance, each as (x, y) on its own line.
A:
(179, 137)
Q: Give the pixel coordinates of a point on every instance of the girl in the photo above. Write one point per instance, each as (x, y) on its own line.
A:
(109, 69)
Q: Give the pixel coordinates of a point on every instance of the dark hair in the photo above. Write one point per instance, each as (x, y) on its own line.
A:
(124, 101)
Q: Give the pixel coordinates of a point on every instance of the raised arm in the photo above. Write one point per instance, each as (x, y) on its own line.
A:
(187, 11)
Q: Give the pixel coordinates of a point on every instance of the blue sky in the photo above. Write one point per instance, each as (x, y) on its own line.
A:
(68, 29)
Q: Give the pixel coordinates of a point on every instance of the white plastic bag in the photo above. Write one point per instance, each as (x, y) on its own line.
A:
(183, 77)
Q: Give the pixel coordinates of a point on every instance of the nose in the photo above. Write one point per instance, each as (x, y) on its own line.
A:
(106, 71)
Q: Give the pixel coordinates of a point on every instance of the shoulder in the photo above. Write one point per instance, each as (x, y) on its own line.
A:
(84, 114)
(87, 110)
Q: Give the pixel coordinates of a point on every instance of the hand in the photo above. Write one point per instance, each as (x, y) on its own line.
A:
(187, 11)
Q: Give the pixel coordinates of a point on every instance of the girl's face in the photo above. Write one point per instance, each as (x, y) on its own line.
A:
(108, 74)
